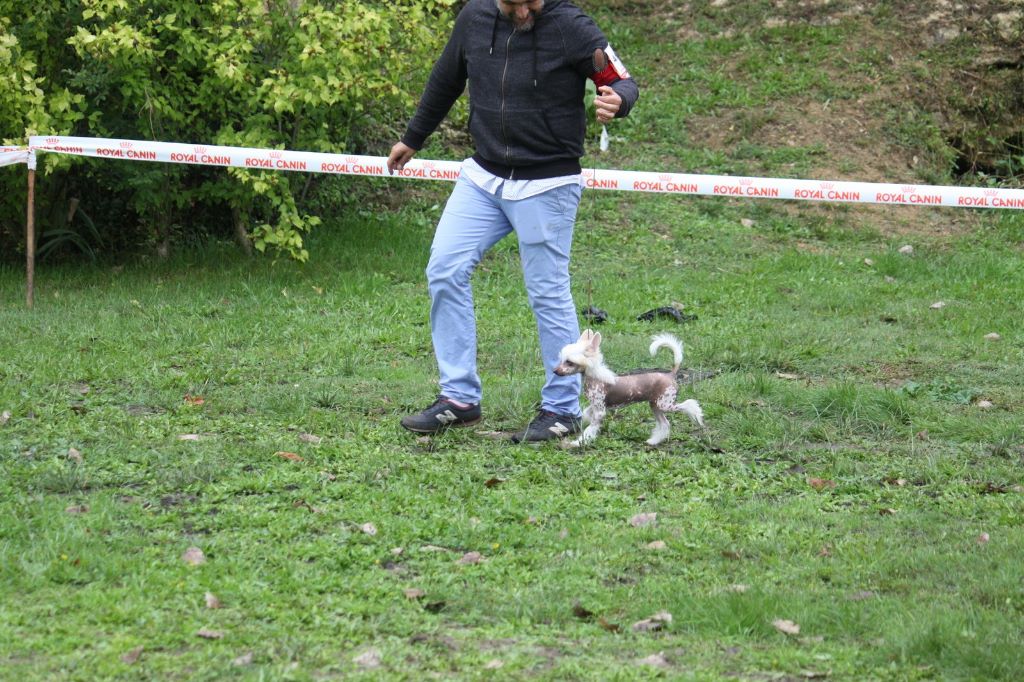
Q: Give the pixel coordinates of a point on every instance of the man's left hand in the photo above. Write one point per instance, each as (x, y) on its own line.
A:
(607, 103)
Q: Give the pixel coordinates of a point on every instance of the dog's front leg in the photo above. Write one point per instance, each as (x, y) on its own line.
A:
(592, 416)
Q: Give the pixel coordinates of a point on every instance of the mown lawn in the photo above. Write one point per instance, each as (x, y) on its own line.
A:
(860, 476)
(850, 480)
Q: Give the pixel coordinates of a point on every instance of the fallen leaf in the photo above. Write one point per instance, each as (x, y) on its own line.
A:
(288, 455)
(368, 660)
(210, 634)
(887, 511)
(657, 545)
(641, 520)
(244, 659)
(985, 404)
(788, 376)
(906, 249)
(982, 539)
(738, 588)
(328, 475)
(307, 505)
(610, 627)
(211, 601)
(369, 529)
(654, 660)
(470, 558)
(493, 664)
(813, 675)
(493, 435)
(189, 436)
(133, 655)
(531, 520)
(76, 509)
(899, 482)
(5, 417)
(193, 556)
(786, 627)
(194, 399)
(747, 222)
(993, 336)
(310, 438)
(656, 622)
(868, 262)
(493, 482)
(821, 483)
(434, 548)
(825, 551)
(937, 305)
(414, 593)
(732, 554)
(74, 455)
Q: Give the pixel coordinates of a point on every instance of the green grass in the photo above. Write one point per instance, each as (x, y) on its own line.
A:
(829, 368)
(828, 371)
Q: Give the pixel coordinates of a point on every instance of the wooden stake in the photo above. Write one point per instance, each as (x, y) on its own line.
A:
(30, 239)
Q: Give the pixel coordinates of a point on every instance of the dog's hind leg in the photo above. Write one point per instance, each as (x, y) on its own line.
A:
(661, 426)
(691, 408)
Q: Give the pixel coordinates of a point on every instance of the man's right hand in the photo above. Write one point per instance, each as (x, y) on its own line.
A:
(401, 154)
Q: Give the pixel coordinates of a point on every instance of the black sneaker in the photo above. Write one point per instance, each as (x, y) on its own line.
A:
(547, 425)
(440, 416)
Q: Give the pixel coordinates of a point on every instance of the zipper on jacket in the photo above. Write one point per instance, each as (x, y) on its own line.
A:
(504, 72)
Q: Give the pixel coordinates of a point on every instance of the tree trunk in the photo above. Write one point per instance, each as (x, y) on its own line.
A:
(241, 236)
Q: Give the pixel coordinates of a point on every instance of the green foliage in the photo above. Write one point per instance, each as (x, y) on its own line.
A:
(254, 73)
(31, 104)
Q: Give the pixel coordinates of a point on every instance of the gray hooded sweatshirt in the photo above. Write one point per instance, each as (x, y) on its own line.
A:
(526, 110)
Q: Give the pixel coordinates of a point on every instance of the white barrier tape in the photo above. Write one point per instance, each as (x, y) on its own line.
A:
(12, 155)
(630, 181)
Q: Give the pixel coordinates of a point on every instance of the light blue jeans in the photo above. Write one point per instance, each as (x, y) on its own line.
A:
(473, 221)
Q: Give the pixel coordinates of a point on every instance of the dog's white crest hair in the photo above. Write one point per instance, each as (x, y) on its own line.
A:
(587, 354)
(671, 342)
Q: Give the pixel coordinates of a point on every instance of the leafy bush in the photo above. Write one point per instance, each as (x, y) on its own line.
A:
(318, 76)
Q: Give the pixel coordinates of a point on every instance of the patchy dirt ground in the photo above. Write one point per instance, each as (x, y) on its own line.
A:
(952, 69)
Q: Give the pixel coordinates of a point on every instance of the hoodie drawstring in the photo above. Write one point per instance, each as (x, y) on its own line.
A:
(534, 34)
(494, 30)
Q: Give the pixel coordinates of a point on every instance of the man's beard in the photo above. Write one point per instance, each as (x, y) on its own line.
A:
(526, 24)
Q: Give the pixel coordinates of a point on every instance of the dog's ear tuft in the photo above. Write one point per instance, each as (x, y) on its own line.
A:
(585, 336)
(595, 340)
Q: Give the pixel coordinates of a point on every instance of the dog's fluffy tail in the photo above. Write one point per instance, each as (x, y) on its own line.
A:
(669, 341)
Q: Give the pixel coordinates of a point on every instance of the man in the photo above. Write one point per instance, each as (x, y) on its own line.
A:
(526, 62)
